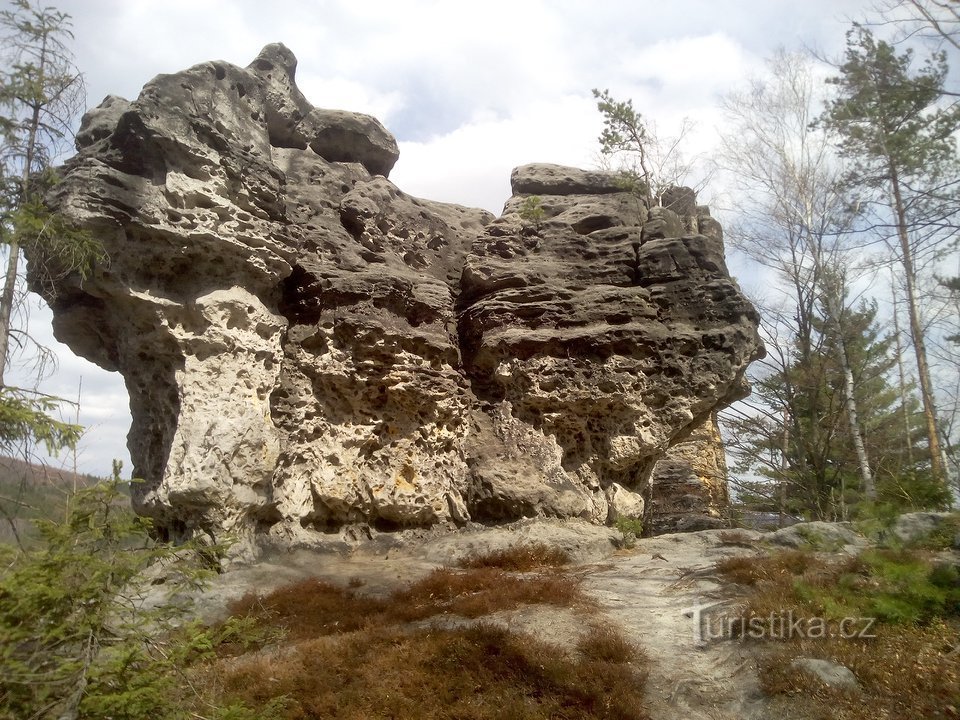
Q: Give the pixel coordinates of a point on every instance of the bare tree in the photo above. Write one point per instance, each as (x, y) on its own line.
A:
(935, 19)
(796, 219)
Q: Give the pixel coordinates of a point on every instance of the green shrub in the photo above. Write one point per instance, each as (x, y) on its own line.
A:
(818, 541)
(532, 212)
(75, 640)
(942, 537)
(630, 528)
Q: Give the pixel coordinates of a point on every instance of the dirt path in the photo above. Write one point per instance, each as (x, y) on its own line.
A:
(649, 592)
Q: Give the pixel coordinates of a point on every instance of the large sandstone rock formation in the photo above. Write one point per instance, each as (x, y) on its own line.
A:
(307, 348)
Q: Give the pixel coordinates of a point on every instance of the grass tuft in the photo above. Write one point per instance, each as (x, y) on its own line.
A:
(519, 558)
(481, 592)
(312, 608)
(352, 656)
(908, 668)
(736, 538)
(749, 570)
(606, 643)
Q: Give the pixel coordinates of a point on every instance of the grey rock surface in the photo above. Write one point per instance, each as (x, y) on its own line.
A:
(916, 526)
(829, 673)
(690, 483)
(547, 179)
(311, 353)
(819, 535)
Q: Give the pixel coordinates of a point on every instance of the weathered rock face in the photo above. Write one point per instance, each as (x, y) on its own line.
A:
(690, 483)
(307, 348)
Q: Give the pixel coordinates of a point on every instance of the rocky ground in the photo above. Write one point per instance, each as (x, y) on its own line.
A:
(646, 587)
(648, 590)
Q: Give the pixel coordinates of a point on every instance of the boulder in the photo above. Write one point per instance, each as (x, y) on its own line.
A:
(547, 179)
(310, 351)
(819, 535)
(829, 673)
(623, 504)
(917, 527)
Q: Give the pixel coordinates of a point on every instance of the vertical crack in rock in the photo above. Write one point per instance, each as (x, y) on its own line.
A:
(308, 348)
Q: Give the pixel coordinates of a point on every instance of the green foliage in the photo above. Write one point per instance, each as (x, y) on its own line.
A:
(893, 586)
(54, 246)
(630, 528)
(887, 115)
(818, 541)
(24, 415)
(40, 95)
(532, 212)
(898, 137)
(75, 635)
(875, 520)
(625, 132)
(40, 91)
(942, 537)
(624, 129)
(910, 588)
(821, 466)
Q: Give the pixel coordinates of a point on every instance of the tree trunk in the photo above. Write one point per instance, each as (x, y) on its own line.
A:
(916, 333)
(853, 419)
(6, 306)
(849, 397)
(903, 380)
(784, 467)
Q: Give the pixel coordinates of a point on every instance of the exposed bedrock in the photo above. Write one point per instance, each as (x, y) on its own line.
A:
(598, 348)
(307, 348)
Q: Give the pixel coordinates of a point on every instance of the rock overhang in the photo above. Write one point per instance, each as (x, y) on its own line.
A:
(307, 347)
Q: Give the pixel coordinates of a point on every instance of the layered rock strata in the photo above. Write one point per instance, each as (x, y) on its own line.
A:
(689, 489)
(307, 348)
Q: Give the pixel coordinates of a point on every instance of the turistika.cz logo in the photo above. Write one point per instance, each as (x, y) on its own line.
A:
(711, 624)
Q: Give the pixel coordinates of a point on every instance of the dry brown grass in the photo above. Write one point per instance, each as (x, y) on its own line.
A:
(313, 608)
(736, 538)
(911, 669)
(523, 557)
(744, 570)
(353, 656)
(478, 672)
(905, 672)
(484, 591)
(606, 643)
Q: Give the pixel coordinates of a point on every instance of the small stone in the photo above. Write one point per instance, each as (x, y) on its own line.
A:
(831, 674)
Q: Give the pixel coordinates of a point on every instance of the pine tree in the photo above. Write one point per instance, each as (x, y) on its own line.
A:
(650, 163)
(40, 96)
(806, 445)
(904, 162)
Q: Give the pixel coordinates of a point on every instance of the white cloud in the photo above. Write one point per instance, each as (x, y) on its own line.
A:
(688, 70)
(472, 164)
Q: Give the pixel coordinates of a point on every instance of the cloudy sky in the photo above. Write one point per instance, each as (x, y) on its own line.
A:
(470, 89)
